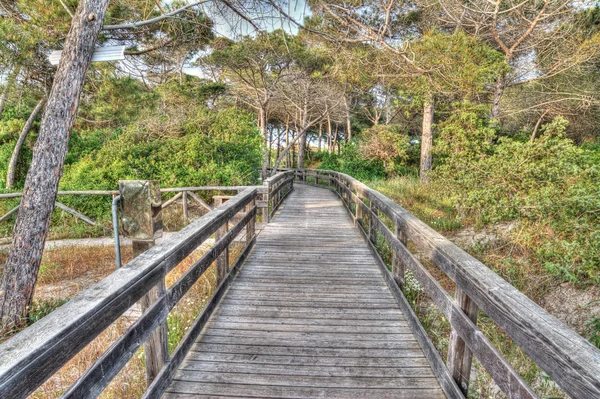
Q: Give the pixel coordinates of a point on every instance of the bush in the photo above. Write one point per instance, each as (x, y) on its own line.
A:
(550, 185)
(385, 143)
(351, 163)
(223, 149)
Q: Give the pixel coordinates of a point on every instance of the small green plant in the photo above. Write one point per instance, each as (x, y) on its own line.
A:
(39, 309)
(593, 327)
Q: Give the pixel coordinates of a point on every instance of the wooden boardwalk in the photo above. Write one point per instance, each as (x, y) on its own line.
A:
(312, 319)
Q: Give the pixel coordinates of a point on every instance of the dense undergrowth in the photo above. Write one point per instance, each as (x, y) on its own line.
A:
(170, 132)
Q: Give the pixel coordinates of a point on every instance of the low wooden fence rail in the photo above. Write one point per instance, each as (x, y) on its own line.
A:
(570, 360)
(32, 356)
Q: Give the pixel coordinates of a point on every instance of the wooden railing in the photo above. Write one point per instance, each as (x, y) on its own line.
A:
(32, 356)
(570, 360)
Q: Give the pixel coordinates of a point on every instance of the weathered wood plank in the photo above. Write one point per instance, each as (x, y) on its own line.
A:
(321, 303)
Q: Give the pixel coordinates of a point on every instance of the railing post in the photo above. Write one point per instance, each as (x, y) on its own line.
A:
(397, 264)
(250, 227)
(359, 213)
(265, 197)
(223, 258)
(142, 222)
(185, 208)
(459, 355)
(372, 223)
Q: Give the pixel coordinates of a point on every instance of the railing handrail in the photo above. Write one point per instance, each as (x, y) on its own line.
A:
(116, 192)
(569, 359)
(33, 355)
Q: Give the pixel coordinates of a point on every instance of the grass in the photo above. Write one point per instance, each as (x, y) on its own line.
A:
(509, 255)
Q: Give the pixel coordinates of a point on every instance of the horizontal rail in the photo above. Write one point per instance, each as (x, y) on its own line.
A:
(569, 359)
(116, 192)
(36, 353)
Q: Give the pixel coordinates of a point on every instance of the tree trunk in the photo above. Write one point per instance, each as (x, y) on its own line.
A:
(287, 149)
(348, 121)
(537, 126)
(335, 137)
(12, 166)
(302, 145)
(498, 92)
(320, 136)
(426, 139)
(31, 228)
(262, 124)
(329, 136)
(388, 111)
(287, 141)
(278, 142)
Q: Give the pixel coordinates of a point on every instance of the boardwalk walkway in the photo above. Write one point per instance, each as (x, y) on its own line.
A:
(313, 319)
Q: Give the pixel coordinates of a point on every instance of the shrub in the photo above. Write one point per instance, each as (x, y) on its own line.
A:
(550, 185)
(384, 143)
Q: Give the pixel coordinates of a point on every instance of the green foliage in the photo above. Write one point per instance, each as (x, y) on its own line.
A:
(593, 326)
(463, 64)
(550, 185)
(219, 147)
(119, 101)
(351, 163)
(385, 143)
(39, 309)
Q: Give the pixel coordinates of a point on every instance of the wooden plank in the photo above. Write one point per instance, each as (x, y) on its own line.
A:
(199, 200)
(79, 215)
(190, 389)
(318, 305)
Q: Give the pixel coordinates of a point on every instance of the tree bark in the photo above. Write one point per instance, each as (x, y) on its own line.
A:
(329, 137)
(287, 149)
(537, 125)
(287, 141)
(498, 92)
(262, 124)
(426, 139)
(12, 166)
(31, 228)
(302, 145)
(320, 136)
(348, 121)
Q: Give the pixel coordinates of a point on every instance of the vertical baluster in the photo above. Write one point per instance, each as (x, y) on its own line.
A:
(373, 224)
(186, 218)
(358, 218)
(250, 227)
(459, 355)
(397, 264)
(223, 258)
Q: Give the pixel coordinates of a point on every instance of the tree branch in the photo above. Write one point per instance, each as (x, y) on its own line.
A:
(134, 25)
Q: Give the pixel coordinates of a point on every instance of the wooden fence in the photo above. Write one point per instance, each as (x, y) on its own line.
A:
(569, 359)
(32, 356)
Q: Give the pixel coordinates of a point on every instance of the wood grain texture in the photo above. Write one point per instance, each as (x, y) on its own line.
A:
(316, 319)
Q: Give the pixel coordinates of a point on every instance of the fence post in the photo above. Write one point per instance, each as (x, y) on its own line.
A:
(397, 264)
(142, 222)
(223, 258)
(265, 197)
(372, 224)
(250, 227)
(185, 208)
(459, 355)
(359, 212)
